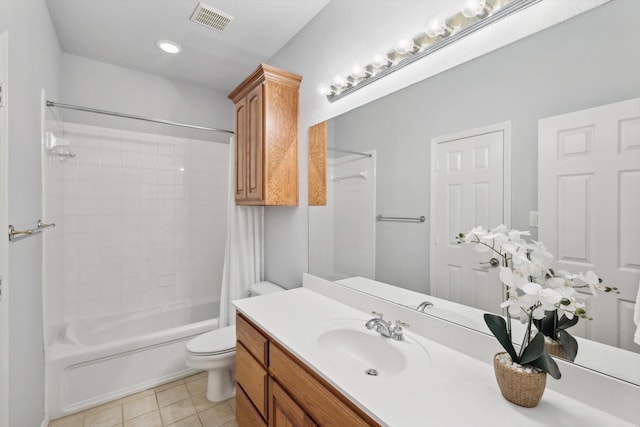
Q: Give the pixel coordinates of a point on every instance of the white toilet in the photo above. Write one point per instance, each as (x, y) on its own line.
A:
(215, 352)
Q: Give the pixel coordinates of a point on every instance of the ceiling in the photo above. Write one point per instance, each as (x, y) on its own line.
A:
(124, 33)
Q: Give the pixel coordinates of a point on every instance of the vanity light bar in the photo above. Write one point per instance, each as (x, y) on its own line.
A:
(455, 28)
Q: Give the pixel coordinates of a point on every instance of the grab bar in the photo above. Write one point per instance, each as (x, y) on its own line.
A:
(400, 218)
(15, 235)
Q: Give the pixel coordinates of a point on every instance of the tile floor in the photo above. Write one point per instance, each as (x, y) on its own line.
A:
(181, 403)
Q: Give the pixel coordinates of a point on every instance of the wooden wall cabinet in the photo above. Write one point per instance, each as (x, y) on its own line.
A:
(274, 388)
(266, 154)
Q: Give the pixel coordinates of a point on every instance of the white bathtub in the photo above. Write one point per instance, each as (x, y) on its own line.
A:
(94, 361)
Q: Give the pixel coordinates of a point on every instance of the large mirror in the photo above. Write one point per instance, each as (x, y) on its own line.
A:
(383, 167)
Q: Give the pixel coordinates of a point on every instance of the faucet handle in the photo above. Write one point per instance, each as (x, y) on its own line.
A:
(396, 333)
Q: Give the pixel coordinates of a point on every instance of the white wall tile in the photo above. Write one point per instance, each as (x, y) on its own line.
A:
(136, 235)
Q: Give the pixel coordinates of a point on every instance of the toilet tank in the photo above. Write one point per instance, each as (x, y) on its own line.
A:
(263, 288)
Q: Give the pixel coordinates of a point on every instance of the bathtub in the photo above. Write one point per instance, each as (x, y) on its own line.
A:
(93, 361)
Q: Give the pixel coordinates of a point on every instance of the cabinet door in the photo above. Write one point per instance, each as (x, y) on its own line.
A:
(246, 413)
(241, 150)
(252, 377)
(284, 411)
(254, 147)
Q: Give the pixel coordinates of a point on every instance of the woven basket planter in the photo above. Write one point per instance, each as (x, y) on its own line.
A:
(517, 386)
(554, 348)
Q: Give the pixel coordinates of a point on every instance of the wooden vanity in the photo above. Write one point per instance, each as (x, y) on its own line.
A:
(275, 388)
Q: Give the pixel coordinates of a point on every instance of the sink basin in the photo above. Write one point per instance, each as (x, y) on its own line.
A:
(347, 344)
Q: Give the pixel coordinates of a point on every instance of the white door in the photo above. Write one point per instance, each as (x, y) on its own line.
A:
(470, 187)
(4, 242)
(589, 208)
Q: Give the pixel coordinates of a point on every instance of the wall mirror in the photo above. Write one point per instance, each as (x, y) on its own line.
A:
(385, 168)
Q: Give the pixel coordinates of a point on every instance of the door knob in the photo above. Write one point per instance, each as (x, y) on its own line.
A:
(493, 262)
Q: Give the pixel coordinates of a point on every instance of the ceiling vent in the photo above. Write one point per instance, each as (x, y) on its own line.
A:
(211, 18)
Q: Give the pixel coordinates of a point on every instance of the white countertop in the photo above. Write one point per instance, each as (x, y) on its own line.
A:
(451, 389)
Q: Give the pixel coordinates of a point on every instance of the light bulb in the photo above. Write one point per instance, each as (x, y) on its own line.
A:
(379, 60)
(323, 89)
(404, 44)
(340, 81)
(436, 26)
(472, 8)
(358, 70)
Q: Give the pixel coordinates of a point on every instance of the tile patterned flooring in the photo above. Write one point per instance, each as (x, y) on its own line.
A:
(181, 403)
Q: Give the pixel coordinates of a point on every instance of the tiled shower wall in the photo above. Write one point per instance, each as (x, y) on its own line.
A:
(141, 222)
(342, 233)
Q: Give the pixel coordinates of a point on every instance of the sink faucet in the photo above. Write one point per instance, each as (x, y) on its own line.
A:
(423, 305)
(380, 325)
(384, 328)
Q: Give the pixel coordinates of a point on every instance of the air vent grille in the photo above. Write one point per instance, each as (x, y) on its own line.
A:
(211, 18)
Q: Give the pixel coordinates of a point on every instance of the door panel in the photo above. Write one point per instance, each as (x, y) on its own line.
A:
(241, 149)
(254, 144)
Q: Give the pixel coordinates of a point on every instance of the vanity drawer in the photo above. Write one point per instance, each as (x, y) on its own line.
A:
(246, 413)
(318, 398)
(252, 377)
(252, 339)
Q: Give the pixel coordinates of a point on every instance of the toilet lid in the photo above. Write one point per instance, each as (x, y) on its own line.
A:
(218, 341)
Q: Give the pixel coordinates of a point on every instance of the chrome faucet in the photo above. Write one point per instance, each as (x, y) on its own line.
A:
(382, 327)
(423, 305)
(385, 329)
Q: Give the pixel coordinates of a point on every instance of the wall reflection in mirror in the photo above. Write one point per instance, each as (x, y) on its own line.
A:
(557, 71)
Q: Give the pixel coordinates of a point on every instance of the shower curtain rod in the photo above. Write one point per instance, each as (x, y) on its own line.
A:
(130, 116)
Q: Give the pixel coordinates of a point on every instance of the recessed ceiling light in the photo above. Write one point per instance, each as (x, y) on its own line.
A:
(169, 46)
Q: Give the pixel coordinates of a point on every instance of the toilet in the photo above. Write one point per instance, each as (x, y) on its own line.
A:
(215, 352)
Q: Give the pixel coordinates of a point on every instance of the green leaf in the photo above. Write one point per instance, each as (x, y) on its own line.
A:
(546, 325)
(547, 364)
(533, 350)
(569, 343)
(566, 323)
(498, 327)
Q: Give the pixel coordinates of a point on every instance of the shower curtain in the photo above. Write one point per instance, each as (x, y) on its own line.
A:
(243, 257)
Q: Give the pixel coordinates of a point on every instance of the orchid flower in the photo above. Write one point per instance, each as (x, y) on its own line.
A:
(533, 290)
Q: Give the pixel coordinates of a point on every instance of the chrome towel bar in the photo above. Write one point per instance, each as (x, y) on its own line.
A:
(400, 218)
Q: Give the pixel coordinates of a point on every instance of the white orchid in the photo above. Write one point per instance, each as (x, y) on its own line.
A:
(533, 290)
(571, 306)
(538, 296)
(592, 280)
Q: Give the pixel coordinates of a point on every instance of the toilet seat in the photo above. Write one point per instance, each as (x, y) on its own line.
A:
(217, 342)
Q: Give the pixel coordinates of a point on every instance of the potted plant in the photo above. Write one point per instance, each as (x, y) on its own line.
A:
(541, 299)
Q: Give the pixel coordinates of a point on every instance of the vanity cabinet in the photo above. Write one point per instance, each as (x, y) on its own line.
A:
(266, 148)
(274, 388)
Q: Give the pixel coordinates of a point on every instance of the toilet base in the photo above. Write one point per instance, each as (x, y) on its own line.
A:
(221, 384)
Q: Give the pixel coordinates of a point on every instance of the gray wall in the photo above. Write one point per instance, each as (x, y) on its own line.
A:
(103, 86)
(33, 64)
(563, 68)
